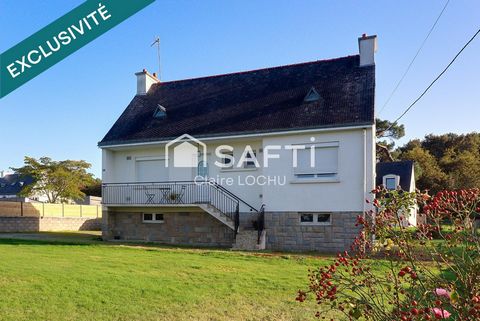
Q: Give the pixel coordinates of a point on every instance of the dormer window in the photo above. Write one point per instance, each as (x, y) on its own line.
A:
(391, 182)
(160, 112)
(312, 96)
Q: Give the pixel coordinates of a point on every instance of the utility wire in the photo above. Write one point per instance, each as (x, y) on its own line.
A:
(413, 60)
(434, 81)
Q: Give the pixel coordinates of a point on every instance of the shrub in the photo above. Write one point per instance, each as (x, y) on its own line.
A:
(419, 277)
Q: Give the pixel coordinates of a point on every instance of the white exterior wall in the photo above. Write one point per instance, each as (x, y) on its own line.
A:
(347, 192)
(251, 194)
(412, 219)
(120, 167)
(356, 165)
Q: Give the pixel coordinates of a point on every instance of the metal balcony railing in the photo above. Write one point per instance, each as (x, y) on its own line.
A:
(177, 193)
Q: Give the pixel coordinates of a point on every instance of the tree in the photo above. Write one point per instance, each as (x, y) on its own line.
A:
(432, 274)
(428, 174)
(94, 189)
(386, 133)
(463, 168)
(447, 161)
(60, 181)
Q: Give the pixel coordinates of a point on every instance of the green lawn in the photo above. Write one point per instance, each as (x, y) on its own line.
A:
(90, 280)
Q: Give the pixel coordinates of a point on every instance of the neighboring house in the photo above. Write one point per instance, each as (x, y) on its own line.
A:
(89, 200)
(324, 108)
(398, 176)
(11, 185)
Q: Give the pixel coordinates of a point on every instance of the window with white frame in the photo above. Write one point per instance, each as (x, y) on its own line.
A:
(152, 218)
(391, 182)
(315, 218)
(323, 162)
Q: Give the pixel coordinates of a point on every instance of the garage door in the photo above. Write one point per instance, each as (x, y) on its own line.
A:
(151, 170)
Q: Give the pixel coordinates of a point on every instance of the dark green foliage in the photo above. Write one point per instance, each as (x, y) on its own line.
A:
(93, 189)
(386, 133)
(60, 181)
(448, 161)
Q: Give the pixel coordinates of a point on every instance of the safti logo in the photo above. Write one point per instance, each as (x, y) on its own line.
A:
(185, 151)
(311, 160)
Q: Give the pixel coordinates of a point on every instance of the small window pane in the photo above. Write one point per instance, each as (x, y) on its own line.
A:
(305, 218)
(202, 169)
(159, 217)
(147, 217)
(390, 183)
(323, 218)
(306, 175)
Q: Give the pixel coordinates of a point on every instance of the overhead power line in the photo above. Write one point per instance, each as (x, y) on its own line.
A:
(435, 80)
(414, 57)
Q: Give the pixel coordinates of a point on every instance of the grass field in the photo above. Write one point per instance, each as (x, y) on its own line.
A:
(75, 277)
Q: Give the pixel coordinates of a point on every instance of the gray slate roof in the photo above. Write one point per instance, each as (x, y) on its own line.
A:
(404, 169)
(12, 184)
(257, 101)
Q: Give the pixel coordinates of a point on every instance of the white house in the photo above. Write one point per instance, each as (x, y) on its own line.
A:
(288, 152)
(398, 176)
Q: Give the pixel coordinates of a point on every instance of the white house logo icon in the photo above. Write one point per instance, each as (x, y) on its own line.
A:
(185, 151)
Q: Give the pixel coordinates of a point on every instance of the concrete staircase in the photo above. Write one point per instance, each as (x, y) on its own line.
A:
(216, 213)
(246, 240)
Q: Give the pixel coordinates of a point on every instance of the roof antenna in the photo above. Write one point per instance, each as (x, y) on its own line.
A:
(157, 42)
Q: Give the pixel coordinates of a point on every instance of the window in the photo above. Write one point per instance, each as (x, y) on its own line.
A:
(306, 218)
(202, 169)
(391, 182)
(315, 218)
(325, 162)
(250, 163)
(160, 112)
(312, 95)
(323, 218)
(152, 218)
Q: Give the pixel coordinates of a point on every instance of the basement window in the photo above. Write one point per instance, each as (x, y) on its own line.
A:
(160, 112)
(315, 218)
(152, 218)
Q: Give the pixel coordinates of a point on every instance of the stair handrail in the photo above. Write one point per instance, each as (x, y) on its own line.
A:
(260, 222)
(235, 196)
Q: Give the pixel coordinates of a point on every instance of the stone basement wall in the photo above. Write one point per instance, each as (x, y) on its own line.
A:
(39, 224)
(194, 228)
(285, 233)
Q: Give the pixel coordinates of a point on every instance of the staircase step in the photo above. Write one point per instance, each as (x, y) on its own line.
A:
(217, 214)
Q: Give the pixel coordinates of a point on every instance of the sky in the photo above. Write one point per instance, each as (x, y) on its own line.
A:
(66, 110)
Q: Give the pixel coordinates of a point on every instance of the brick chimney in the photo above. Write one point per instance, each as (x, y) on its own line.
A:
(367, 46)
(144, 81)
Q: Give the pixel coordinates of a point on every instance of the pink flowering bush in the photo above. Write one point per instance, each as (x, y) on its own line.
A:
(395, 272)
